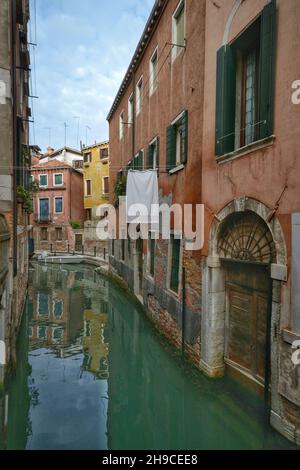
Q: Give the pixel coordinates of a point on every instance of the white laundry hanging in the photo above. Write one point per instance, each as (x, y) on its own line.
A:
(142, 198)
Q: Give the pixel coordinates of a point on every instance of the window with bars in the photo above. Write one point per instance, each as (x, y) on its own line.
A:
(245, 85)
(177, 139)
(175, 263)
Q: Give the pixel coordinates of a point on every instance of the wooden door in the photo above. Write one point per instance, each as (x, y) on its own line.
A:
(247, 319)
(78, 242)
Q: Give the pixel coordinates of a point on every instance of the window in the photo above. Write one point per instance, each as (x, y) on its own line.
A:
(130, 110)
(177, 136)
(58, 205)
(151, 254)
(121, 126)
(105, 185)
(153, 72)
(245, 85)
(138, 161)
(44, 234)
(178, 29)
(42, 332)
(58, 179)
(175, 263)
(88, 187)
(44, 209)
(139, 96)
(113, 248)
(152, 155)
(122, 250)
(87, 158)
(104, 153)
(57, 334)
(43, 181)
(58, 308)
(58, 234)
(43, 305)
(88, 214)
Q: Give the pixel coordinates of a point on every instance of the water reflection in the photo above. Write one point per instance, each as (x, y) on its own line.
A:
(92, 374)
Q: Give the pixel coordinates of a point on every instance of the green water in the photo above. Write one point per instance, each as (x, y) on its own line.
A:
(93, 374)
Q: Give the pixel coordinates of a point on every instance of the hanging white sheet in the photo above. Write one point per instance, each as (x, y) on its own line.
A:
(142, 197)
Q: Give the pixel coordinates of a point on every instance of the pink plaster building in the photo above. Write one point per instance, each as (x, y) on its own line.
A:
(58, 205)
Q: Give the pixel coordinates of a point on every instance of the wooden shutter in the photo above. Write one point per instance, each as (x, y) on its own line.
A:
(157, 155)
(149, 163)
(174, 282)
(267, 69)
(184, 148)
(171, 147)
(225, 100)
(141, 160)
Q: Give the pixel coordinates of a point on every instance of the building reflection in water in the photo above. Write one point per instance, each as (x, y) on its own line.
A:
(67, 320)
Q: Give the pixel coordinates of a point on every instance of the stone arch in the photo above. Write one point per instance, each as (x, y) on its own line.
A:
(241, 205)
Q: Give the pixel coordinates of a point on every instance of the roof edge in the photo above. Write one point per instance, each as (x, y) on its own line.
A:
(149, 29)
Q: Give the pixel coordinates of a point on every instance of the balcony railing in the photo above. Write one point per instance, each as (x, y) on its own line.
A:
(43, 218)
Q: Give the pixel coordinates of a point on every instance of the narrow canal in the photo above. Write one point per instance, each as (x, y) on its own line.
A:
(93, 374)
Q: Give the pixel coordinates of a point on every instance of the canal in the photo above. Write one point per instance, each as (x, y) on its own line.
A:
(93, 374)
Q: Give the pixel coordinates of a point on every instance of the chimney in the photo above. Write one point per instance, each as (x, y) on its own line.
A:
(50, 150)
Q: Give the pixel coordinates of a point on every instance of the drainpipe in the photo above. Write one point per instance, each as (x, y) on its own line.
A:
(14, 118)
(268, 348)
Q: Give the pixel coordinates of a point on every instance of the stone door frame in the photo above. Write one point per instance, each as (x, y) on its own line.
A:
(214, 296)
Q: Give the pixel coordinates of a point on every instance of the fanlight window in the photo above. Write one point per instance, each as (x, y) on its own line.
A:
(246, 237)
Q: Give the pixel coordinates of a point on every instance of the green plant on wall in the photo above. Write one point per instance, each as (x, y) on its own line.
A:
(120, 187)
(75, 225)
(26, 195)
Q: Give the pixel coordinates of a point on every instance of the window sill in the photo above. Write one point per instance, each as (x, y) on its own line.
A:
(176, 169)
(241, 152)
(289, 336)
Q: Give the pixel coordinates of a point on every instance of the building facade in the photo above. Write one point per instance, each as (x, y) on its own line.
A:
(58, 206)
(96, 193)
(207, 101)
(14, 171)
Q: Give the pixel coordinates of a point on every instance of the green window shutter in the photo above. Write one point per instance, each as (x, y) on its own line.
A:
(174, 281)
(150, 157)
(267, 69)
(171, 147)
(225, 100)
(184, 137)
(157, 155)
(141, 160)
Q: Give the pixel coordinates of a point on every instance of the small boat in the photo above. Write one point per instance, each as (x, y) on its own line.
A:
(64, 259)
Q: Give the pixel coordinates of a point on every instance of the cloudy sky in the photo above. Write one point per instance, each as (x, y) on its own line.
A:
(83, 51)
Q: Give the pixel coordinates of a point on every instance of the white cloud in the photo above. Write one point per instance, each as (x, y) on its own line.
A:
(84, 49)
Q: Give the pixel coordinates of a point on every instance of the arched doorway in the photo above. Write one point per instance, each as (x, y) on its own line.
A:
(247, 250)
(245, 233)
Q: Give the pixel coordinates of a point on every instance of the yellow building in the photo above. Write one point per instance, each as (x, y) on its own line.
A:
(96, 177)
(94, 345)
